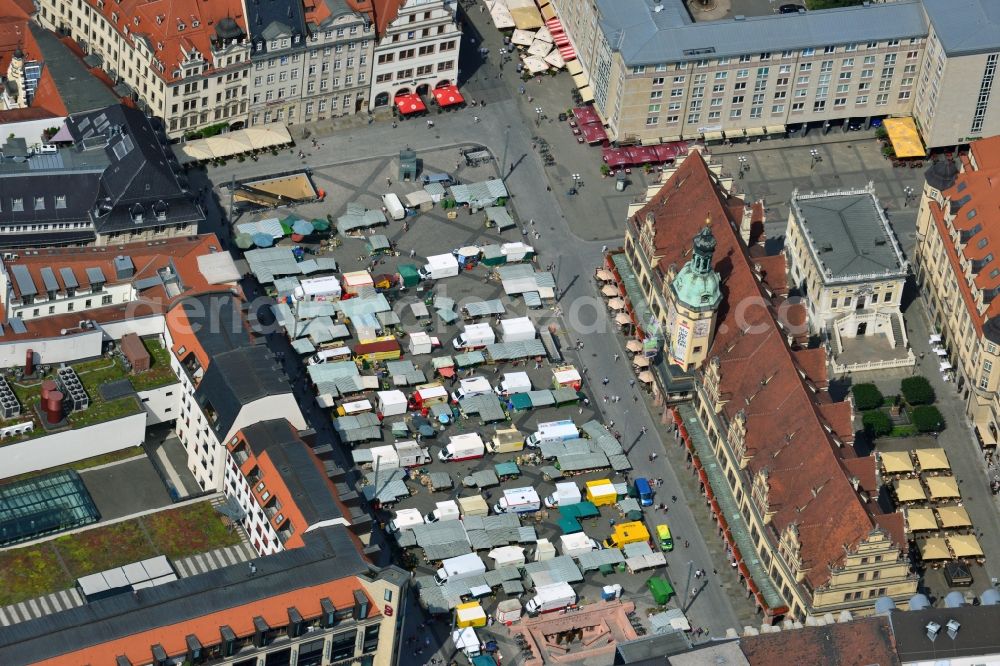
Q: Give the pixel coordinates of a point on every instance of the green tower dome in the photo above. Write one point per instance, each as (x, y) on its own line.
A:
(697, 284)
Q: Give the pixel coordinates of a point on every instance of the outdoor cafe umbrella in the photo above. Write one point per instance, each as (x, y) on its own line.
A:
(321, 224)
(622, 319)
(616, 304)
(640, 362)
(610, 290)
(262, 240)
(244, 241)
(633, 346)
(646, 377)
(302, 227)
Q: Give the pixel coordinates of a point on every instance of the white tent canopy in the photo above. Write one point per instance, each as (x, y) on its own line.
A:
(233, 143)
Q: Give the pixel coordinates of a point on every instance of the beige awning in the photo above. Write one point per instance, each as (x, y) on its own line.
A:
(634, 346)
(965, 545)
(951, 517)
(935, 548)
(755, 131)
(522, 38)
(986, 435)
(580, 80)
(616, 304)
(574, 67)
(896, 462)
(910, 490)
(905, 137)
(586, 94)
(622, 319)
(713, 136)
(604, 275)
(640, 362)
(548, 13)
(932, 459)
(920, 519)
(610, 290)
(646, 377)
(774, 129)
(942, 487)
(540, 48)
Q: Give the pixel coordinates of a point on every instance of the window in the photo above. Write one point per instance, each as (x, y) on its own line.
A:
(808, 52)
(869, 60)
(742, 73)
(639, 69)
(658, 81)
(652, 120)
(658, 94)
(653, 108)
(777, 109)
(677, 79)
(39, 203)
(805, 66)
(882, 99)
(738, 99)
(721, 76)
(17, 204)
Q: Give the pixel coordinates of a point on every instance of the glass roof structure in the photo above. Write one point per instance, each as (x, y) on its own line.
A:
(43, 505)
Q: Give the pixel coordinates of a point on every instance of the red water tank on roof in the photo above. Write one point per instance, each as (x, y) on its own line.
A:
(53, 407)
(29, 362)
(48, 386)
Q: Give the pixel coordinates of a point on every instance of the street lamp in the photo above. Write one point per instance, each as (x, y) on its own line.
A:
(503, 162)
(907, 195)
(577, 180)
(538, 116)
(816, 157)
(744, 164)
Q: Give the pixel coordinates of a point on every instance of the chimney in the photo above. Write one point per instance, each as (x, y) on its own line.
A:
(29, 363)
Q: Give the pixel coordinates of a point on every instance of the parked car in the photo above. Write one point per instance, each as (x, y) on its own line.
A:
(791, 9)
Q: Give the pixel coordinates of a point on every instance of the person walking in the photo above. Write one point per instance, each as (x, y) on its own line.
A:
(617, 356)
(605, 381)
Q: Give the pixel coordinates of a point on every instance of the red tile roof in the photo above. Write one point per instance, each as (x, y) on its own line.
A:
(14, 34)
(786, 431)
(382, 12)
(979, 190)
(866, 642)
(171, 27)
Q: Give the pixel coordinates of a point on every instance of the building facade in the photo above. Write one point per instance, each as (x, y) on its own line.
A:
(760, 430)
(309, 63)
(227, 382)
(417, 50)
(843, 256)
(959, 276)
(657, 76)
(190, 68)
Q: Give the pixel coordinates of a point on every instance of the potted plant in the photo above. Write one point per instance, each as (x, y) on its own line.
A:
(605, 170)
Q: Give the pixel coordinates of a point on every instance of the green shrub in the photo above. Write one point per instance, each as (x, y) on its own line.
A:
(867, 396)
(877, 423)
(917, 390)
(927, 418)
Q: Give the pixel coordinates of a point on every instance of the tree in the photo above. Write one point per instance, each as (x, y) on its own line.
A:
(917, 390)
(877, 423)
(867, 396)
(927, 418)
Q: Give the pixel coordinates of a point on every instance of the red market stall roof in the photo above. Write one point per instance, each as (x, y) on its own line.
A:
(615, 157)
(448, 96)
(566, 51)
(665, 152)
(410, 103)
(642, 155)
(586, 115)
(594, 133)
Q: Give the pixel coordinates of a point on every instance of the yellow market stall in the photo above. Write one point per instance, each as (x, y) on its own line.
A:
(904, 137)
(965, 545)
(470, 614)
(942, 487)
(932, 460)
(953, 517)
(920, 520)
(935, 548)
(896, 462)
(910, 490)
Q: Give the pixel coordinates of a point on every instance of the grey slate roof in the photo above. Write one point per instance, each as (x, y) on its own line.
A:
(849, 235)
(237, 378)
(645, 37)
(310, 491)
(79, 90)
(273, 20)
(976, 637)
(329, 554)
(965, 27)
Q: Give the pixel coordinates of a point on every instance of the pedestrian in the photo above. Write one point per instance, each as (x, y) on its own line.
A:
(635, 398)
(604, 248)
(651, 457)
(611, 423)
(611, 522)
(605, 381)
(537, 235)
(631, 383)
(617, 356)
(524, 231)
(673, 498)
(687, 544)
(413, 253)
(642, 430)
(388, 181)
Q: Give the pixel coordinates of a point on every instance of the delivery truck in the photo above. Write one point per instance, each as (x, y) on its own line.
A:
(474, 336)
(601, 492)
(473, 505)
(553, 597)
(393, 206)
(566, 493)
(440, 266)
(405, 519)
(518, 329)
(445, 511)
(331, 354)
(513, 382)
(626, 533)
(471, 386)
(553, 431)
(518, 500)
(507, 440)
(577, 544)
(463, 447)
(458, 568)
